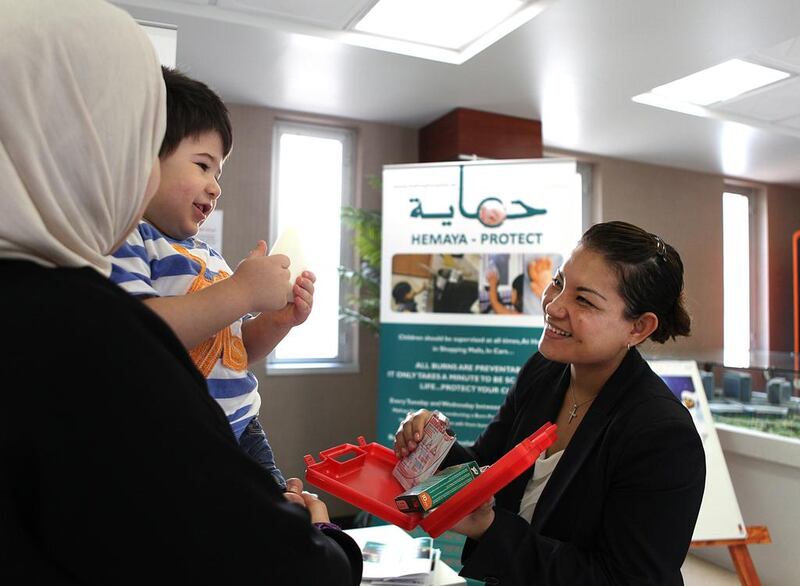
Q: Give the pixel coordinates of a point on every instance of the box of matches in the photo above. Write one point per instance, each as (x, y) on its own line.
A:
(432, 492)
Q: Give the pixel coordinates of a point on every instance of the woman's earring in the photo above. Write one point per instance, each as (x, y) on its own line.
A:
(628, 345)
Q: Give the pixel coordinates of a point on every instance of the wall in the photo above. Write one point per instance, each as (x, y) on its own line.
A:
(783, 219)
(305, 414)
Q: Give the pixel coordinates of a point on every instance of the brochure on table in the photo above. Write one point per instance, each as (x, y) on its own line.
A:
(409, 562)
(393, 539)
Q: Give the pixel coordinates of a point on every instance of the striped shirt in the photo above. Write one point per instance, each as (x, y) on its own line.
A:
(151, 264)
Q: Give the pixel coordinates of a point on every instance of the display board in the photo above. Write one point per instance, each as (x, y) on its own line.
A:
(467, 248)
(720, 517)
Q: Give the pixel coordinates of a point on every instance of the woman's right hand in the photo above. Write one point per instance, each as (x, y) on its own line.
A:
(410, 432)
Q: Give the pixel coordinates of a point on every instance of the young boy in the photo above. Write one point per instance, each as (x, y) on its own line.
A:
(190, 285)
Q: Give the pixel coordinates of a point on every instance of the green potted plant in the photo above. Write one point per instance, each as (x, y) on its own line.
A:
(362, 300)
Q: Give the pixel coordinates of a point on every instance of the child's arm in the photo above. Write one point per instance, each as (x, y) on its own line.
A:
(262, 334)
(260, 284)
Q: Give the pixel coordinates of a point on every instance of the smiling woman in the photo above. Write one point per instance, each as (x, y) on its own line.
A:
(628, 461)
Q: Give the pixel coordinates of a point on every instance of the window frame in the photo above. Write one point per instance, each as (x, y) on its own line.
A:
(346, 360)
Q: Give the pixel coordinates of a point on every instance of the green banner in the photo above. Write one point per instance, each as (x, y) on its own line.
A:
(463, 371)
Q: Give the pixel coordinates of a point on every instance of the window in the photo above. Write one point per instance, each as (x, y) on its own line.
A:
(743, 325)
(312, 178)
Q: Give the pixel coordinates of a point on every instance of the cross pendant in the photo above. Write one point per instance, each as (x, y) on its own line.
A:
(574, 413)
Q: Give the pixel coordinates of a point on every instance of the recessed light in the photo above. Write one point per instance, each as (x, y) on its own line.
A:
(443, 30)
(720, 83)
(448, 24)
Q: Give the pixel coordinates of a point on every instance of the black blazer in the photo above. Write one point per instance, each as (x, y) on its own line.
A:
(620, 506)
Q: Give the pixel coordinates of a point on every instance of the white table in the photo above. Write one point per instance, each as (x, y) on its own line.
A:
(443, 575)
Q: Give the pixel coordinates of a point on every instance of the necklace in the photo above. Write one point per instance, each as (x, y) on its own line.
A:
(575, 405)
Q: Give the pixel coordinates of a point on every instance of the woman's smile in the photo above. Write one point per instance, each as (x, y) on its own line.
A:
(553, 332)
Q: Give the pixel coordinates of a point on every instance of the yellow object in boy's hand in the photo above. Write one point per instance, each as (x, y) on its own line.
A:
(289, 243)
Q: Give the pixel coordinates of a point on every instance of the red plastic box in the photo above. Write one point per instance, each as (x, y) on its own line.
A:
(362, 476)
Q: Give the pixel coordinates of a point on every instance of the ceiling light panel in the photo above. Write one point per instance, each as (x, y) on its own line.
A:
(447, 24)
(721, 82)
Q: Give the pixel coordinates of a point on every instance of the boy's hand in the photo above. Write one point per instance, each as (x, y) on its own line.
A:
(298, 311)
(263, 280)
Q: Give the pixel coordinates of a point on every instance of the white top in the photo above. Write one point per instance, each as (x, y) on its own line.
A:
(542, 471)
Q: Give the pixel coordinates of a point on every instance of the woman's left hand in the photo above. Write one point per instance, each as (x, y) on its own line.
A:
(294, 491)
(310, 501)
(477, 522)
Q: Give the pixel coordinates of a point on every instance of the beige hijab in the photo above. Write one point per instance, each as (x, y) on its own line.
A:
(82, 116)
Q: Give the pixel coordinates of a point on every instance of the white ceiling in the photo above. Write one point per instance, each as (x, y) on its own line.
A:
(575, 67)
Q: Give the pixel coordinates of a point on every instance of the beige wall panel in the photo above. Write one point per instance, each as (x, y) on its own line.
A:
(783, 219)
(685, 209)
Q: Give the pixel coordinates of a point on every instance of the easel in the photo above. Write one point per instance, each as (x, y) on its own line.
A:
(740, 554)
